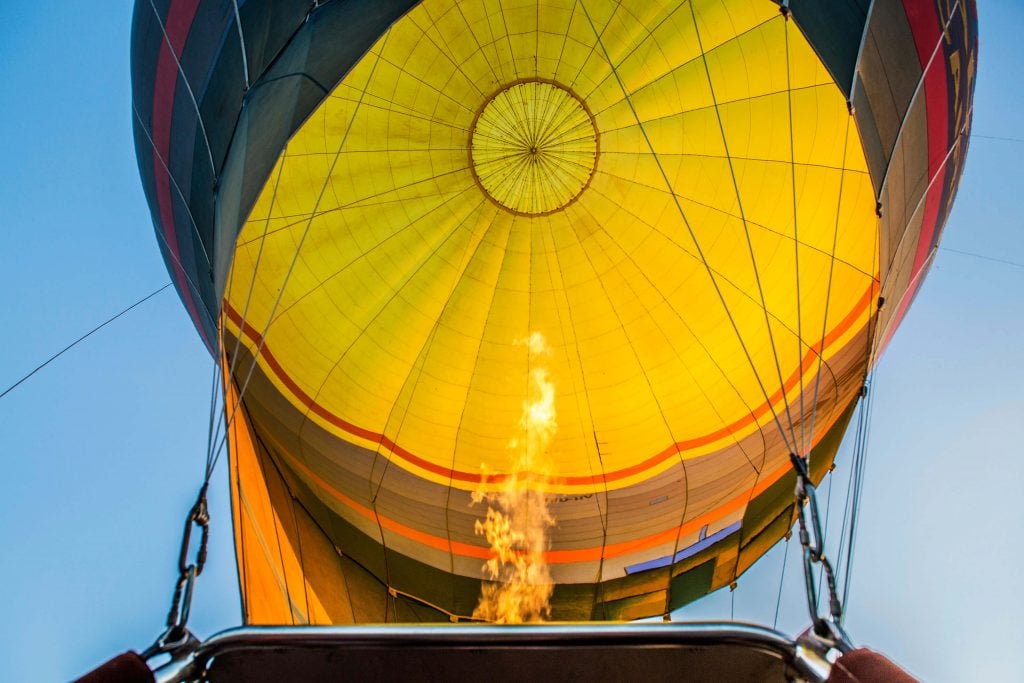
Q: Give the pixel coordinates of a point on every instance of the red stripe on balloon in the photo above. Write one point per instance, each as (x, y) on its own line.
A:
(179, 19)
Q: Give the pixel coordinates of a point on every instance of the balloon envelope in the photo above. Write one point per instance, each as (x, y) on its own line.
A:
(402, 227)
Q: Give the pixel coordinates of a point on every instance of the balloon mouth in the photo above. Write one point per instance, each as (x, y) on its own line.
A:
(533, 147)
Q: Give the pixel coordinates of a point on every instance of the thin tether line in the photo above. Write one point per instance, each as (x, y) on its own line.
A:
(993, 259)
(782, 576)
(83, 338)
(857, 498)
(996, 137)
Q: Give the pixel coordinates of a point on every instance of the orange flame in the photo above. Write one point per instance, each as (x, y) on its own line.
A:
(518, 519)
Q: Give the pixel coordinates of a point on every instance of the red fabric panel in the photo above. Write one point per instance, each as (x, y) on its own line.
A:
(867, 666)
(125, 668)
(927, 29)
(178, 23)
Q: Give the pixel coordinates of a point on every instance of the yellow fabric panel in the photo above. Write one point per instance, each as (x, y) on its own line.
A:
(401, 286)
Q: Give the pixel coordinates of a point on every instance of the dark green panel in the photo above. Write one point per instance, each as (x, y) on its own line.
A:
(572, 602)
(834, 29)
(636, 607)
(691, 585)
(755, 547)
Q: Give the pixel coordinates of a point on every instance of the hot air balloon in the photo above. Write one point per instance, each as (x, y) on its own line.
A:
(591, 268)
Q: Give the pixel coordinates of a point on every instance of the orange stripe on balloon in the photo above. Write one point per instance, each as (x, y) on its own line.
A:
(591, 554)
(477, 478)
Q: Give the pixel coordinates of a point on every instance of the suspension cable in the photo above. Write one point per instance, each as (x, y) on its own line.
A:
(813, 543)
(782, 576)
(860, 461)
(83, 338)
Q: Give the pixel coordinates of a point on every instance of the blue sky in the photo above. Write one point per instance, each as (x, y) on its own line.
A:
(103, 450)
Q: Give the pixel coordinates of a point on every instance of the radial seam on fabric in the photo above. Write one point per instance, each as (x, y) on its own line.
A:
(298, 299)
(444, 52)
(580, 397)
(392, 108)
(420, 81)
(668, 184)
(830, 87)
(828, 299)
(424, 347)
(665, 422)
(384, 304)
(81, 339)
(650, 31)
(354, 203)
(746, 231)
(695, 337)
(802, 443)
(305, 617)
(465, 402)
(728, 214)
(693, 236)
(280, 577)
(508, 38)
(469, 29)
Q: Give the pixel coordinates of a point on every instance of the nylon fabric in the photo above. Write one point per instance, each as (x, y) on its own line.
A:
(412, 267)
(668, 211)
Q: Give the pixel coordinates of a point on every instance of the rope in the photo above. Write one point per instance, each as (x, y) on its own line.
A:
(854, 492)
(993, 259)
(83, 338)
(214, 428)
(782, 575)
(860, 461)
(828, 515)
